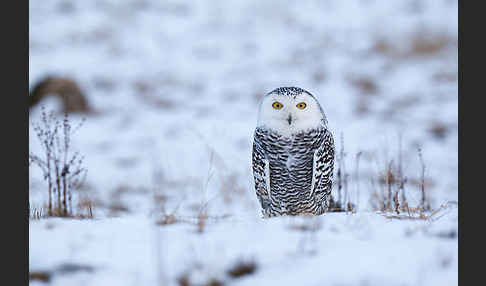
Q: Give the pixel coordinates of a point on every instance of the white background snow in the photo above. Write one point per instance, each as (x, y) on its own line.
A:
(176, 85)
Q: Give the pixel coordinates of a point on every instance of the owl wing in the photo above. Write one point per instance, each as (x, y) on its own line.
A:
(261, 173)
(323, 167)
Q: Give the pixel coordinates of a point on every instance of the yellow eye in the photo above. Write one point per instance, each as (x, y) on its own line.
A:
(301, 105)
(277, 105)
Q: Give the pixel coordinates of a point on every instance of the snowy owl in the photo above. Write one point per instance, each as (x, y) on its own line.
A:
(293, 154)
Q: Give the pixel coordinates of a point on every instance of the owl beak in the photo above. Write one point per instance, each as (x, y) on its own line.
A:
(289, 119)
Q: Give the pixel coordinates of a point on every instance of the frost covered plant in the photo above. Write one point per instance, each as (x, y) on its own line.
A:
(62, 169)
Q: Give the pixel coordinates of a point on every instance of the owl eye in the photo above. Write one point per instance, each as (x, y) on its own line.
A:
(301, 105)
(277, 105)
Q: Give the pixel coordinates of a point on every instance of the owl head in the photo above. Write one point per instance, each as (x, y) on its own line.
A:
(290, 110)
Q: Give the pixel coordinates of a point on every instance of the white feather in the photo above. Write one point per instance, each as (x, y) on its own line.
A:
(310, 117)
(267, 178)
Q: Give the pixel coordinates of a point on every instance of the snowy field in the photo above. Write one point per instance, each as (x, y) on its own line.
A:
(176, 85)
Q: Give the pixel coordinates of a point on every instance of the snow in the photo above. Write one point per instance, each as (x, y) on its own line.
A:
(359, 249)
(176, 86)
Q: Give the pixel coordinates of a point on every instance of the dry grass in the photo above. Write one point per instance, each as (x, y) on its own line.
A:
(389, 191)
(344, 201)
(390, 195)
(41, 276)
(117, 208)
(86, 206)
(417, 213)
(385, 196)
(365, 85)
(420, 44)
(424, 201)
(202, 218)
(165, 217)
(166, 220)
(84, 209)
(425, 44)
(335, 206)
(41, 213)
(160, 198)
(35, 213)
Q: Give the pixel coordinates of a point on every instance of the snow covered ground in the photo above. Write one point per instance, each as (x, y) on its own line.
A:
(176, 86)
(336, 249)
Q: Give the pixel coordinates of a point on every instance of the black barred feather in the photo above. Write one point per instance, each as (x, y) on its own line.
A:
(299, 172)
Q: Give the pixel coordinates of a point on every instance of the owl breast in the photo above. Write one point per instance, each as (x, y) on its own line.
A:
(291, 168)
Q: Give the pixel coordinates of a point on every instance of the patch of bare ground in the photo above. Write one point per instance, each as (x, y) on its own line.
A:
(42, 276)
(439, 130)
(63, 269)
(242, 268)
(364, 84)
(420, 44)
(73, 98)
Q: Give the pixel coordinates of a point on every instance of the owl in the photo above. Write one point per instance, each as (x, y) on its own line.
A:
(293, 154)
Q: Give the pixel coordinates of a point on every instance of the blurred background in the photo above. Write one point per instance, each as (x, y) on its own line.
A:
(170, 90)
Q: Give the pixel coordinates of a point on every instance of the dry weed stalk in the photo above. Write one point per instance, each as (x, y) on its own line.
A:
(202, 218)
(62, 170)
(389, 180)
(203, 213)
(376, 198)
(391, 183)
(392, 195)
(401, 181)
(396, 203)
(342, 171)
(36, 213)
(424, 203)
(358, 157)
(160, 199)
(344, 202)
(336, 205)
